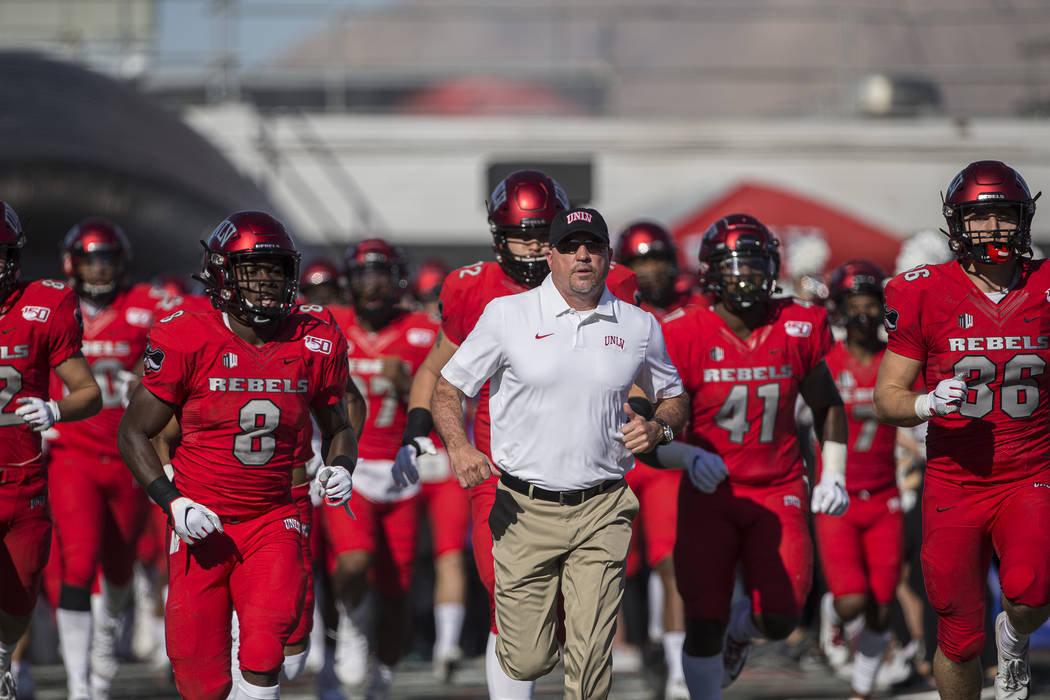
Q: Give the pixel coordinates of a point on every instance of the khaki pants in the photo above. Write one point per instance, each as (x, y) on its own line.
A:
(540, 548)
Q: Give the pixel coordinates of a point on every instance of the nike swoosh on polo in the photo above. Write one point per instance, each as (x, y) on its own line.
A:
(540, 337)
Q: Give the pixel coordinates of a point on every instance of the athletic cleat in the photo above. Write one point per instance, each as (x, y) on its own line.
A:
(676, 689)
(103, 655)
(7, 687)
(734, 653)
(380, 682)
(351, 652)
(1015, 676)
(832, 637)
(446, 661)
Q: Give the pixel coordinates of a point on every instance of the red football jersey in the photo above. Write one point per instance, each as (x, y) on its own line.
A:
(39, 329)
(936, 315)
(242, 409)
(408, 337)
(114, 340)
(468, 290)
(743, 391)
(681, 301)
(870, 463)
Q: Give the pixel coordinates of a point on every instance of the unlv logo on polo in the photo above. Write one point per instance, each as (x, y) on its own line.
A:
(575, 216)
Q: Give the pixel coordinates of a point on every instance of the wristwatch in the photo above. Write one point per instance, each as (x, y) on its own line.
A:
(668, 434)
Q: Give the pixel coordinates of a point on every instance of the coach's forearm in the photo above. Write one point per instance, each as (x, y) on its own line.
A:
(674, 411)
(446, 406)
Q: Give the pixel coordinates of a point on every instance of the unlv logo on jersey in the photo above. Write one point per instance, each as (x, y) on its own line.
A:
(152, 359)
(36, 313)
(224, 232)
(965, 321)
(318, 345)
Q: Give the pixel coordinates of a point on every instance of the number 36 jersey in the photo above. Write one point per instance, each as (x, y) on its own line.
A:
(242, 409)
(936, 315)
(743, 391)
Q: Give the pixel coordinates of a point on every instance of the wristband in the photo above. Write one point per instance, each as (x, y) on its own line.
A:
(922, 407)
(344, 462)
(419, 424)
(163, 492)
(833, 460)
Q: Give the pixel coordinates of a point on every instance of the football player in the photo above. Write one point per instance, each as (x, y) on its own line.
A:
(387, 345)
(649, 251)
(94, 502)
(861, 551)
(40, 331)
(244, 379)
(976, 329)
(744, 361)
(520, 211)
(321, 283)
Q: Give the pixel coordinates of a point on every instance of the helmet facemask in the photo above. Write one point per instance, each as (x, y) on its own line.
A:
(861, 312)
(261, 287)
(992, 232)
(656, 275)
(97, 275)
(526, 269)
(374, 290)
(10, 269)
(742, 280)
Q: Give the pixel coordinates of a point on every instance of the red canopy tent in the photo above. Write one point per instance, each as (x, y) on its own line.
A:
(788, 214)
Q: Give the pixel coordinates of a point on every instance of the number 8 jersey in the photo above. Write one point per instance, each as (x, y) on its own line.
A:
(743, 391)
(242, 409)
(935, 314)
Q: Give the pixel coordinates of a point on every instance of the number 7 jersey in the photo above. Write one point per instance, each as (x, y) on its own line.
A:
(242, 409)
(935, 314)
(743, 391)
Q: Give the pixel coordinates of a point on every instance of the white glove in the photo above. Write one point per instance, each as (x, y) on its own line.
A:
(404, 470)
(943, 400)
(706, 470)
(829, 496)
(37, 413)
(122, 382)
(193, 522)
(336, 484)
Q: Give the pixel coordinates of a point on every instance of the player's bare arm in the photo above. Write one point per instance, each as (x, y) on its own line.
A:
(85, 398)
(428, 373)
(470, 466)
(144, 419)
(163, 440)
(821, 395)
(894, 399)
(356, 407)
(337, 432)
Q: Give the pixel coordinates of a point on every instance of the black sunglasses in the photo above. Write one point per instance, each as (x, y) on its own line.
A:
(571, 245)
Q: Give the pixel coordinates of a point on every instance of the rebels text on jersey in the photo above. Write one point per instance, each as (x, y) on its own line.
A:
(114, 340)
(39, 329)
(870, 462)
(935, 314)
(467, 291)
(242, 409)
(743, 391)
(407, 337)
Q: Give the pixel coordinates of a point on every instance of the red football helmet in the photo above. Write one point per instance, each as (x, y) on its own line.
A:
(739, 261)
(523, 205)
(983, 187)
(428, 278)
(376, 271)
(235, 248)
(856, 277)
(318, 272)
(644, 239)
(12, 239)
(375, 253)
(96, 237)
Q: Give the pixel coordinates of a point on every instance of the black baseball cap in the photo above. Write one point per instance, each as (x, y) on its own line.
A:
(580, 220)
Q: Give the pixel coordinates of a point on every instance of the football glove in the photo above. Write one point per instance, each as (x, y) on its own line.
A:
(192, 521)
(405, 471)
(37, 413)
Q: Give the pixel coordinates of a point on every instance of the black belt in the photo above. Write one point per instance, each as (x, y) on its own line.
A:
(568, 498)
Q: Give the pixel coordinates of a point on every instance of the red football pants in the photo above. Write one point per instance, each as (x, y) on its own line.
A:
(25, 538)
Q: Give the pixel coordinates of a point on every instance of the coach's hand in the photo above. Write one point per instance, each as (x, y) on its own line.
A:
(942, 400)
(37, 413)
(639, 435)
(193, 522)
(829, 496)
(470, 465)
(336, 484)
(404, 470)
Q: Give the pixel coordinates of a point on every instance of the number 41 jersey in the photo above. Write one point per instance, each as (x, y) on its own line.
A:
(242, 409)
(936, 315)
(743, 391)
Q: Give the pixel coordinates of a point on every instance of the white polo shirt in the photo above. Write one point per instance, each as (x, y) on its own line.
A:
(560, 378)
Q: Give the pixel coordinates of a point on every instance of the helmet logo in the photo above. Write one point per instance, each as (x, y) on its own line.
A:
(224, 232)
(11, 219)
